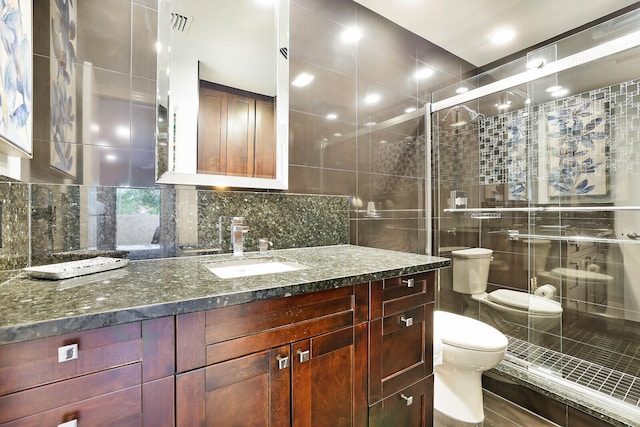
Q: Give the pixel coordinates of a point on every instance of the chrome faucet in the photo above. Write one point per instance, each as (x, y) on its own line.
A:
(237, 234)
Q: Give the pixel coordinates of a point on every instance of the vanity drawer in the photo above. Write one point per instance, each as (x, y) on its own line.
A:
(401, 350)
(412, 406)
(42, 361)
(204, 338)
(397, 294)
(111, 397)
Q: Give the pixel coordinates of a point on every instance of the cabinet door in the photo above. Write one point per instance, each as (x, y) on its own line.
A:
(329, 379)
(250, 390)
(411, 407)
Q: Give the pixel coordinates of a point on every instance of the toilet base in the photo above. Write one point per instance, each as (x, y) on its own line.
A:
(441, 420)
(458, 394)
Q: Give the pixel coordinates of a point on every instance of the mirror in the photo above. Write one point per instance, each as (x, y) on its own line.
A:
(237, 47)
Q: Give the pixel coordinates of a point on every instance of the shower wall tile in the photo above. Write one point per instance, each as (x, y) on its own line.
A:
(322, 143)
(315, 39)
(100, 44)
(143, 39)
(389, 153)
(331, 92)
(313, 180)
(398, 72)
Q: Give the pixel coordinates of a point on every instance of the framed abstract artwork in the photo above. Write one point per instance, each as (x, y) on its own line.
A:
(16, 74)
(577, 150)
(63, 87)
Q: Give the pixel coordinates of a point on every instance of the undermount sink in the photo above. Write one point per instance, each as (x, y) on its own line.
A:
(252, 267)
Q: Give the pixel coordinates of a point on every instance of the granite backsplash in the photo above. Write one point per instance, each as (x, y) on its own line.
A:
(44, 223)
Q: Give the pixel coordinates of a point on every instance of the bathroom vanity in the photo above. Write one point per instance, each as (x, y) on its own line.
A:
(166, 342)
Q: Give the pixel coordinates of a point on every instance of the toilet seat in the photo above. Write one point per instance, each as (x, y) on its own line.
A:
(465, 332)
(533, 304)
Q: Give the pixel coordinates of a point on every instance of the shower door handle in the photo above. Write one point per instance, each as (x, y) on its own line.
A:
(633, 235)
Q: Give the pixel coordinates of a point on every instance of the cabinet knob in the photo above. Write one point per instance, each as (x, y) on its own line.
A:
(408, 399)
(304, 355)
(408, 321)
(72, 423)
(283, 362)
(67, 353)
(409, 282)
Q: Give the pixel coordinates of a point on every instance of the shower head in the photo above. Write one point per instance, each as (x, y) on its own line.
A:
(474, 116)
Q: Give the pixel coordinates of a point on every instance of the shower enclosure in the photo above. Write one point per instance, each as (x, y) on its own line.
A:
(539, 160)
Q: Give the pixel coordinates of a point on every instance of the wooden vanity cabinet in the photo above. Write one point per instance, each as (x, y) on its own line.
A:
(98, 377)
(401, 350)
(296, 361)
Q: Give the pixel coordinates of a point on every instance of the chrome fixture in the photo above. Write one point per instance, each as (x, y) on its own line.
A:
(238, 229)
(474, 116)
(263, 245)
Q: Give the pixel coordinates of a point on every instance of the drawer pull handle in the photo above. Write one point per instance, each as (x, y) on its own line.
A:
(408, 399)
(304, 355)
(72, 423)
(409, 282)
(283, 362)
(67, 353)
(408, 321)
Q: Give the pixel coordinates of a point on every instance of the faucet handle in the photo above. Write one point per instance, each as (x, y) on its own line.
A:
(263, 245)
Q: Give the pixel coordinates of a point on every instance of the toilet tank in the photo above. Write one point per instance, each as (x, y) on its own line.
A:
(471, 270)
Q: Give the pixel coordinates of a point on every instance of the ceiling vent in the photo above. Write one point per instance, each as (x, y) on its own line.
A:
(181, 22)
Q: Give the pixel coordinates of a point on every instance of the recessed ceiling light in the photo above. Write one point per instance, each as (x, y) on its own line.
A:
(372, 98)
(351, 35)
(527, 101)
(502, 36)
(462, 89)
(337, 134)
(302, 80)
(504, 105)
(410, 110)
(560, 92)
(553, 88)
(332, 116)
(423, 73)
(383, 141)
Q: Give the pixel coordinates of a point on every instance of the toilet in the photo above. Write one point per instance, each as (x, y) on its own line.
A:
(463, 349)
(470, 276)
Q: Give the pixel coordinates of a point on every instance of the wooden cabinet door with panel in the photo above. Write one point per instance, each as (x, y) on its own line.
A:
(250, 390)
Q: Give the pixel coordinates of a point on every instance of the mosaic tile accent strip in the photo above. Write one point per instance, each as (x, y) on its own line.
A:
(600, 130)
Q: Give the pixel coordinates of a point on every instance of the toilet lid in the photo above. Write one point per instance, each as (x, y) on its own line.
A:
(472, 253)
(519, 299)
(465, 332)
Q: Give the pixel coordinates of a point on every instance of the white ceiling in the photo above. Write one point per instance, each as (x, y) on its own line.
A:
(463, 27)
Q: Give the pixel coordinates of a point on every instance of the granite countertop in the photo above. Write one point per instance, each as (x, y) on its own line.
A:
(33, 308)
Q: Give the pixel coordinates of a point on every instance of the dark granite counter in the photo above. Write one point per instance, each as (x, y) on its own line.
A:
(32, 308)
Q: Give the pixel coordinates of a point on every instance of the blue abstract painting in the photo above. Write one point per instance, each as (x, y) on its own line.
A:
(16, 76)
(63, 86)
(577, 150)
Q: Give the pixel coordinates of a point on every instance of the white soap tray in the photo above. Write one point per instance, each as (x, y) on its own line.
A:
(65, 270)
